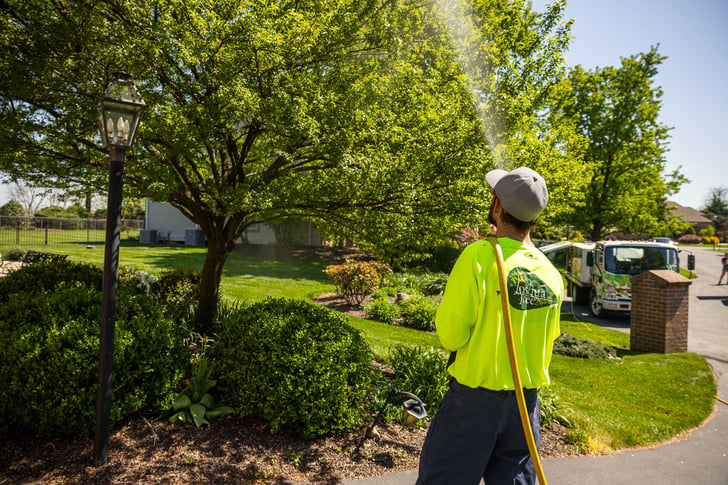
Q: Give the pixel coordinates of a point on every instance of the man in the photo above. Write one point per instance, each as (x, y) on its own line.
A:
(724, 262)
(477, 431)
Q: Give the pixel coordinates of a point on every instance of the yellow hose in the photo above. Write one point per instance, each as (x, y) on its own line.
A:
(525, 422)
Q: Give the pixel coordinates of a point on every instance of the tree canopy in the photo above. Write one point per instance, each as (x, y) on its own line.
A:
(716, 208)
(13, 208)
(615, 110)
(352, 113)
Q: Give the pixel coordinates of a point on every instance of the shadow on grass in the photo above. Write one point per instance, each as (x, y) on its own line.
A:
(296, 263)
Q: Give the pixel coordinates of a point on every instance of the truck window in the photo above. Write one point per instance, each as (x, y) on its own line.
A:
(635, 260)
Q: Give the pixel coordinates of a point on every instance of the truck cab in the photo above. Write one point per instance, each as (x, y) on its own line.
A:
(599, 274)
(614, 265)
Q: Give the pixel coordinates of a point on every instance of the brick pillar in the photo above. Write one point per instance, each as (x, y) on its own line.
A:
(659, 315)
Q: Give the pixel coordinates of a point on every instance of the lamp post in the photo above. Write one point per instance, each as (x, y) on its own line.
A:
(120, 110)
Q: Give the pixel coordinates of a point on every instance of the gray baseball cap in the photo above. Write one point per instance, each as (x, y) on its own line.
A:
(522, 192)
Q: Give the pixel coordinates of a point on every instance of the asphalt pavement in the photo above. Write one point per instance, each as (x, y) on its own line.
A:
(701, 458)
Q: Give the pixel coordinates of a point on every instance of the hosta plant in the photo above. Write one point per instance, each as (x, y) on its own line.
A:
(195, 404)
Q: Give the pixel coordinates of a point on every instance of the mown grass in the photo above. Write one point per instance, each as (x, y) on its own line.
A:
(383, 337)
(244, 277)
(636, 400)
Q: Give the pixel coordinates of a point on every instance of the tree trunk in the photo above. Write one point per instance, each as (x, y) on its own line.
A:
(218, 250)
(596, 231)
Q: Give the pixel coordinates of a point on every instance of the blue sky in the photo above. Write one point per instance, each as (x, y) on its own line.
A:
(694, 77)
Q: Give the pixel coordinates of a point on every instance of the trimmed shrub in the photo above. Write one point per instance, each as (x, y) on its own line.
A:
(690, 239)
(296, 364)
(49, 333)
(14, 254)
(47, 277)
(572, 346)
(354, 280)
(418, 312)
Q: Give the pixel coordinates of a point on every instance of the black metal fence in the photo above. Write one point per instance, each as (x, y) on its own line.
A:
(25, 231)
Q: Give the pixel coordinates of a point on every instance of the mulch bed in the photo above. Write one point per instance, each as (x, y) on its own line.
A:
(230, 450)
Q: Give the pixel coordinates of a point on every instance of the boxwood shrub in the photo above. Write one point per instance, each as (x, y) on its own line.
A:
(298, 365)
(49, 335)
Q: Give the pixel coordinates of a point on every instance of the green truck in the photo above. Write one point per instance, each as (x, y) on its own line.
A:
(599, 274)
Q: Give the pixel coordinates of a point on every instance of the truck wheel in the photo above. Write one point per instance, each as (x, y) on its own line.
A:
(596, 306)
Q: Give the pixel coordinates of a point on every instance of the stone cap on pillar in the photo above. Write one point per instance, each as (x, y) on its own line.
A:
(662, 277)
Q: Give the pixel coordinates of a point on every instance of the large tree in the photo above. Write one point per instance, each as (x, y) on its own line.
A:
(352, 113)
(616, 111)
(716, 208)
(30, 198)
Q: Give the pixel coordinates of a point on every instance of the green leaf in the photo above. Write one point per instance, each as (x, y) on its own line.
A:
(177, 417)
(198, 414)
(221, 411)
(182, 402)
(208, 385)
(207, 401)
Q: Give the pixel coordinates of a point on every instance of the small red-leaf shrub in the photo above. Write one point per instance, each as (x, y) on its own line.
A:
(354, 280)
(690, 239)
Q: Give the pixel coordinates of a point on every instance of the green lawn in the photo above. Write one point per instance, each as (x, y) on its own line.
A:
(244, 277)
(637, 400)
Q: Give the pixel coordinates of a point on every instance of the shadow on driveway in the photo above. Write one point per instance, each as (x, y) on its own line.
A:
(611, 320)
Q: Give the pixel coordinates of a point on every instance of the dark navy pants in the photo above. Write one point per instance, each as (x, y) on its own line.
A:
(476, 434)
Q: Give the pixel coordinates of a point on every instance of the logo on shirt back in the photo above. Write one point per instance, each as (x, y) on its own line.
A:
(527, 291)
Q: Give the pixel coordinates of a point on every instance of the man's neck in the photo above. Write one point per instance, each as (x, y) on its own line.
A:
(505, 230)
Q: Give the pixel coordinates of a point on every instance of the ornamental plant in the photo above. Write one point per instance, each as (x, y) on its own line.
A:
(195, 403)
(355, 280)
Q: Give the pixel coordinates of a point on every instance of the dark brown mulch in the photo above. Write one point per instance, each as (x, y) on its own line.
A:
(230, 450)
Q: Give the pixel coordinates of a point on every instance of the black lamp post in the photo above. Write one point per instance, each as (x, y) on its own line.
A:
(120, 108)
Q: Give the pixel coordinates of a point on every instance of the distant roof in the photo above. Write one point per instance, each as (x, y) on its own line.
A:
(688, 213)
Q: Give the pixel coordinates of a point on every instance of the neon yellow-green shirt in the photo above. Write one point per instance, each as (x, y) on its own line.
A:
(470, 319)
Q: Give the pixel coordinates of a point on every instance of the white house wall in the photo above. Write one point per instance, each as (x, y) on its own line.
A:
(167, 220)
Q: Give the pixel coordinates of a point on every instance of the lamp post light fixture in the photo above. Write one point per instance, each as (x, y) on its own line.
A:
(120, 109)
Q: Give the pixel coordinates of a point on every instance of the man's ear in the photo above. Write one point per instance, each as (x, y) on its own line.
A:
(497, 204)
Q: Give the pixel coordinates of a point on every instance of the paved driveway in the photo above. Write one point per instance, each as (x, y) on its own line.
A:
(701, 458)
